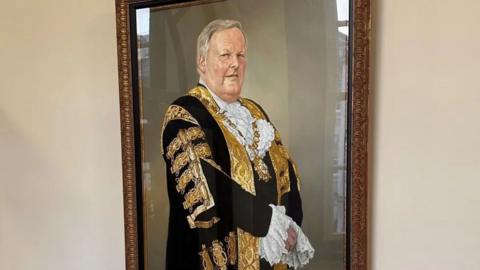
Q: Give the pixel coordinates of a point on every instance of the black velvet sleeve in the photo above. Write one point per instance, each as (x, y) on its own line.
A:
(292, 199)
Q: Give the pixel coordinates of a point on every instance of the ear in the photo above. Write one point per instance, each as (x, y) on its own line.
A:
(201, 65)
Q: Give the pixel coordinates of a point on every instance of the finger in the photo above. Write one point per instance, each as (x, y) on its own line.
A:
(291, 232)
(294, 236)
(291, 241)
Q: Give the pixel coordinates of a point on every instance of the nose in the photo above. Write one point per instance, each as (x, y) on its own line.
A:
(235, 62)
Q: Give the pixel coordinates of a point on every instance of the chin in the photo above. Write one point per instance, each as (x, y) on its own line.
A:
(232, 94)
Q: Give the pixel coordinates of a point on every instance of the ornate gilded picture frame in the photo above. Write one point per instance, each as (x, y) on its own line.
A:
(134, 100)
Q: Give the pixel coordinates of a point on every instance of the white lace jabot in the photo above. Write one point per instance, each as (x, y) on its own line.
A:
(243, 120)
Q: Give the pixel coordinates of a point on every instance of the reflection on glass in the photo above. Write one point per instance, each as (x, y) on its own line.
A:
(297, 70)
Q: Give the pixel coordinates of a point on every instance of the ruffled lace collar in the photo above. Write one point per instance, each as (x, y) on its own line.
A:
(243, 120)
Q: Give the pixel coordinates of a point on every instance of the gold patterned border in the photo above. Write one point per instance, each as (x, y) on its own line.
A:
(127, 134)
(359, 130)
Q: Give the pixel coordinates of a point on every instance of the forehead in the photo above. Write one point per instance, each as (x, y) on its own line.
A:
(229, 39)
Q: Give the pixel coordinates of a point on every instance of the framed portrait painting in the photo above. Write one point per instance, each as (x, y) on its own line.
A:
(301, 70)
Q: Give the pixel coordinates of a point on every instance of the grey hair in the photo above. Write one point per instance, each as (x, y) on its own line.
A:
(212, 28)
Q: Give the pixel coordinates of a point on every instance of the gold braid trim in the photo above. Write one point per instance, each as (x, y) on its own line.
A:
(206, 260)
(280, 166)
(195, 133)
(201, 150)
(253, 108)
(191, 155)
(190, 134)
(231, 241)
(184, 179)
(180, 161)
(207, 224)
(173, 147)
(284, 152)
(219, 255)
(193, 196)
(248, 246)
(215, 165)
(241, 168)
(278, 154)
(175, 112)
(221, 258)
(200, 192)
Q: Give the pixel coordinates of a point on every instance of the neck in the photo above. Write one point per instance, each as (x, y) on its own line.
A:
(219, 99)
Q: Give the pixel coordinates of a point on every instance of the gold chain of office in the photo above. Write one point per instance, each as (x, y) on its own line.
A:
(258, 164)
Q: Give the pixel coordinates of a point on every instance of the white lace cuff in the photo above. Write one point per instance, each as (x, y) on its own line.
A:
(303, 251)
(272, 246)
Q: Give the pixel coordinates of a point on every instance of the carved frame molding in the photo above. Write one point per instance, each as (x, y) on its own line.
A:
(358, 123)
(360, 70)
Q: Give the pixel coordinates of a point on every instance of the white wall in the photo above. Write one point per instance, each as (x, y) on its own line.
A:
(426, 136)
(60, 164)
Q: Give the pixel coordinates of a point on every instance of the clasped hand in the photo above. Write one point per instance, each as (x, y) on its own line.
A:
(291, 240)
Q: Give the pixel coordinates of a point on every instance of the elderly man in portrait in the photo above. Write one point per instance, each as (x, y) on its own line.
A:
(233, 188)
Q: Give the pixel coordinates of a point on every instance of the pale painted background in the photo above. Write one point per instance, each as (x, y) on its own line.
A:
(61, 191)
(293, 74)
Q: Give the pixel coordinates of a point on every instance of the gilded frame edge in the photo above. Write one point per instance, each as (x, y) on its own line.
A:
(359, 133)
(360, 74)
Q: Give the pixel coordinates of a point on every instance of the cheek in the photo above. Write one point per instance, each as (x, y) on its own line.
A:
(219, 71)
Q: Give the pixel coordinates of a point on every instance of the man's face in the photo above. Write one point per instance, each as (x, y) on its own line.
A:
(224, 67)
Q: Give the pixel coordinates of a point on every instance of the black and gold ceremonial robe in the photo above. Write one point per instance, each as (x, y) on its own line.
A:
(218, 204)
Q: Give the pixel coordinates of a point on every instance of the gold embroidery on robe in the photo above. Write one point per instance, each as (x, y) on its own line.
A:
(200, 192)
(202, 189)
(231, 241)
(175, 112)
(193, 196)
(248, 247)
(278, 154)
(214, 164)
(206, 260)
(253, 108)
(201, 150)
(280, 166)
(284, 152)
(241, 169)
(219, 255)
(184, 179)
(194, 133)
(207, 224)
(180, 161)
(191, 134)
(280, 266)
(173, 147)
